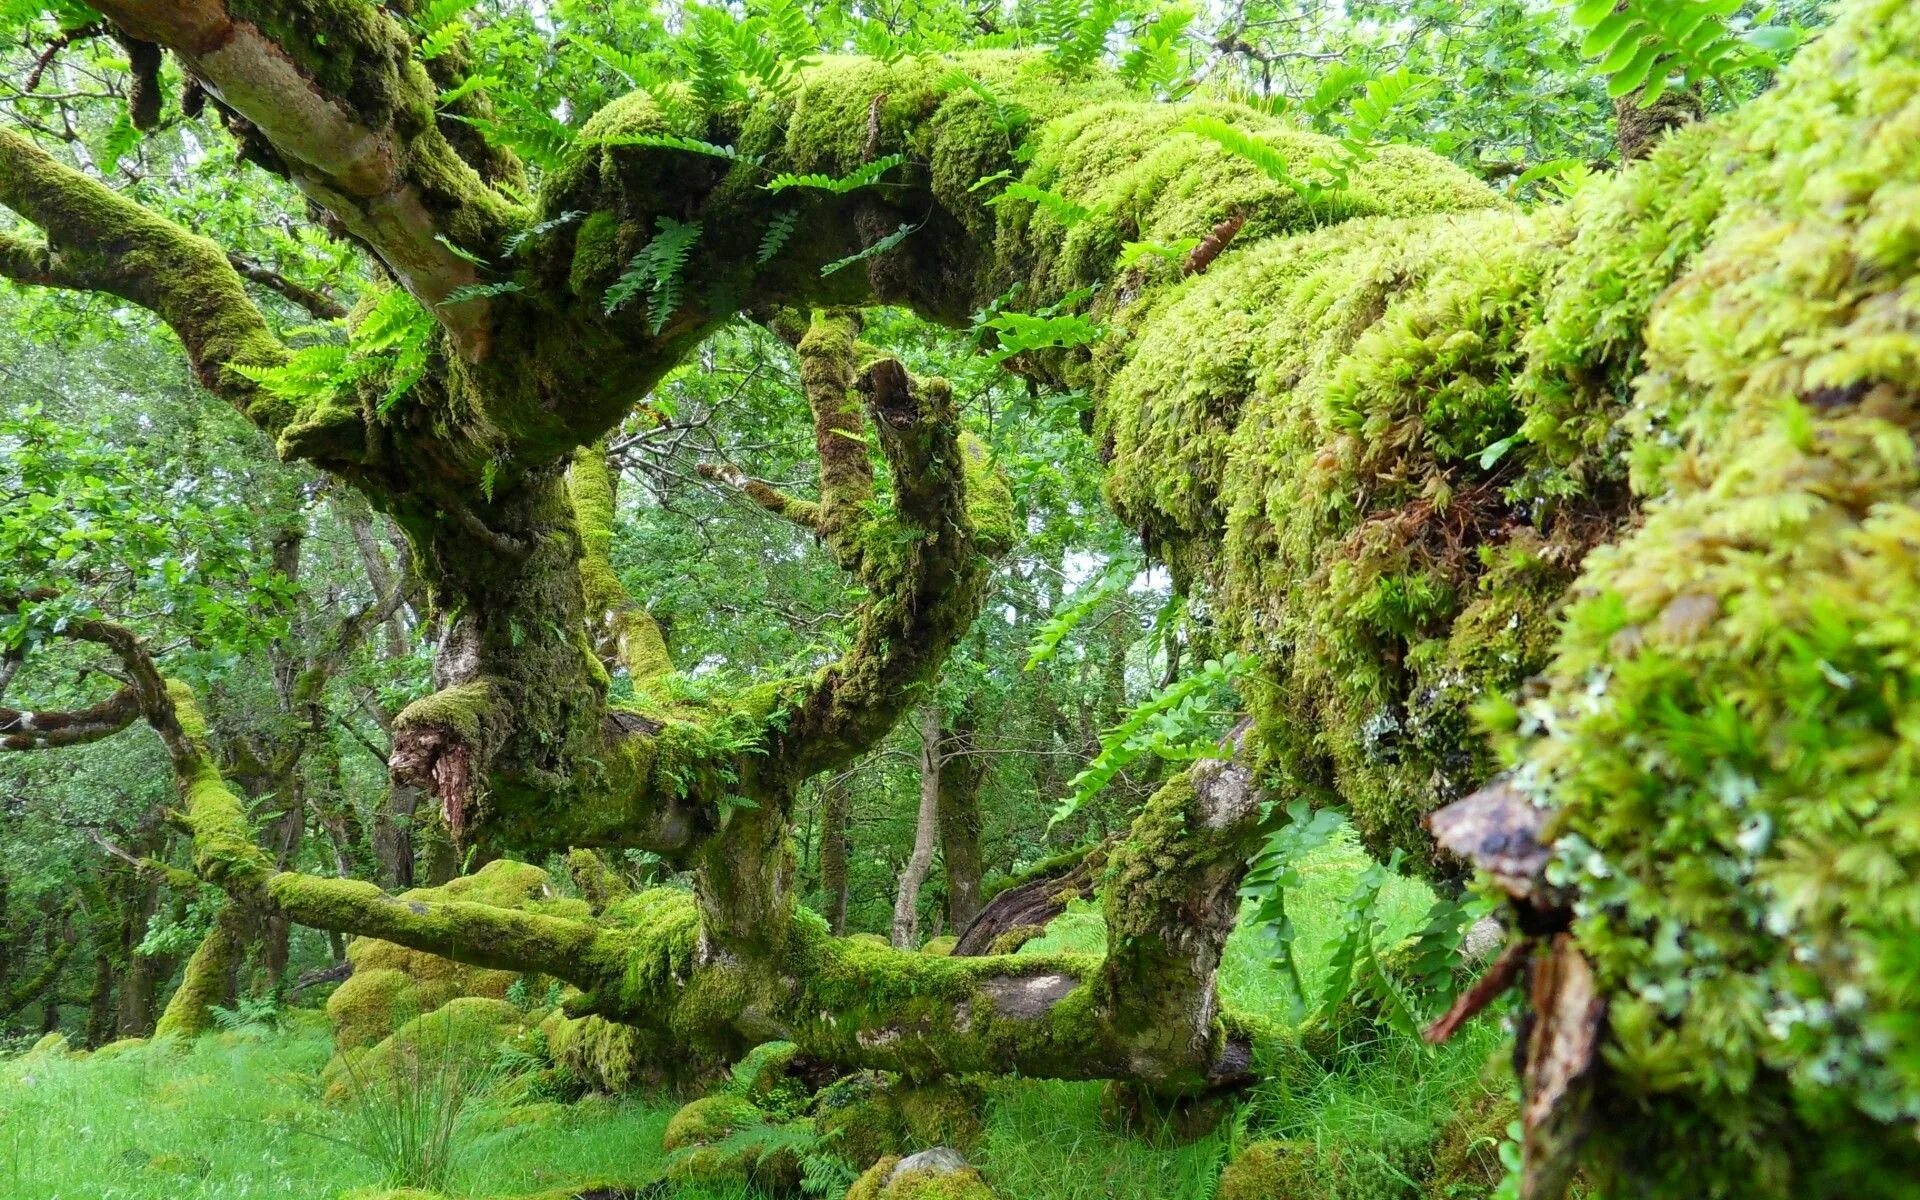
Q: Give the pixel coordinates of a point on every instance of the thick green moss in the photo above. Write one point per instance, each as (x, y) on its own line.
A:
(704, 1144)
(1274, 1170)
(459, 1040)
(207, 981)
(392, 984)
(884, 1181)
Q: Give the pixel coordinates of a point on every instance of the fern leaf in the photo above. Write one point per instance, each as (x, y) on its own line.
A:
(1063, 210)
(1241, 144)
(880, 247)
(867, 175)
(775, 238)
(669, 141)
(635, 70)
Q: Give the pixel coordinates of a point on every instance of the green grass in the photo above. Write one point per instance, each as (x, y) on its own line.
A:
(238, 1115)
(235, 1117)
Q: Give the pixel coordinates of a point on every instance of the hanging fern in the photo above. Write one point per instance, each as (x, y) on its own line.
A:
(1064, 210)
(656, 272)
(1274, 872)
(394, 342)
(1179, 724)
(880, 247)
(866, 176)
(775, 238)
(541, 229)
(1114, 580)
(481, 291)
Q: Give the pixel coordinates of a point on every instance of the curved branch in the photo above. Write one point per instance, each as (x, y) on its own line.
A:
(320, 305)
(98, 240)
(631, 636)
(22, 729)
(408, 195)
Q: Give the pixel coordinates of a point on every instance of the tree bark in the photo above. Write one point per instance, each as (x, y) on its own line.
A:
(963, 772)
(906, 902)
(835, 801)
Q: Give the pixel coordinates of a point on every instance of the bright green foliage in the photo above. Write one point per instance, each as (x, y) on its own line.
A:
(656, 273)
(1650, 45)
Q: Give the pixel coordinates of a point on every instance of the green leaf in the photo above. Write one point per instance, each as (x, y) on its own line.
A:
(880, 247)
(867, 175)
(775, 238)
(1063, 210)
(656, 271)
(669, 141)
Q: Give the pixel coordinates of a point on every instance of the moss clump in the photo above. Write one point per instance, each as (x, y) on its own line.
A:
(712, 1141)
(459, 1040)
(1725, 731)
(49, 1045)
(871, 1115)
(1466, 1155)
(886, 1181)
(941, 946)
(768, 1077)
(1275, 1170)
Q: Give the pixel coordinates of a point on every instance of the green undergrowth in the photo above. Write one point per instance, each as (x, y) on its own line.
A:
(239, 1117)
(244, 1115)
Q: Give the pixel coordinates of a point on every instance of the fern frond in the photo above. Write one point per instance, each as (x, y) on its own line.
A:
(775, 238)
(632, 67)
(669, 141)
(540, 230)
(1241, 144)
(867, 175)
(1063, 210)
(880, 247)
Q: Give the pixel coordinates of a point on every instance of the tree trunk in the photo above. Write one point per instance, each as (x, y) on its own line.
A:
(963, 771)
(906, 903)
(102, 1019)
(834, 804)
(393, 836)
(208, 979)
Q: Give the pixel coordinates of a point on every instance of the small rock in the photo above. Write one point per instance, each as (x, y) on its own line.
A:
(943, 1159)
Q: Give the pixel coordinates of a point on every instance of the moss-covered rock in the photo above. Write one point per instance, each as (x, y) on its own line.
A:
(726, 1138)
(456, 1043)
(1275, 1170)
(871, 1115)
(940, 945)
(50, 1045)
(938, 1174)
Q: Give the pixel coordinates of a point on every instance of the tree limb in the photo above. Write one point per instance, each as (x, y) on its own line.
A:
(406, 195)
(98, 240)
(319, 304)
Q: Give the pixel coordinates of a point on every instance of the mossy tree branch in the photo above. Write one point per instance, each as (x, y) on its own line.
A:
(97, 240)
(349, 113)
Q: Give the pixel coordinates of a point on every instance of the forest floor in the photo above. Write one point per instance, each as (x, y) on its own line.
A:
(238, 1115)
